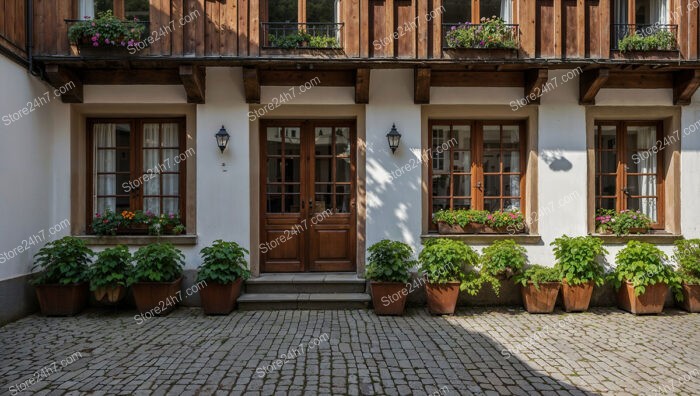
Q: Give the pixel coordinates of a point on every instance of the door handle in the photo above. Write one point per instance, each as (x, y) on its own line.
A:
(626, 190)
(478, 185)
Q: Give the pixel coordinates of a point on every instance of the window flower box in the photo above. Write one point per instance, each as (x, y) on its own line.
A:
(491, 39)
(608, 222)
(136, 223)
(469, 221)
(105, 35)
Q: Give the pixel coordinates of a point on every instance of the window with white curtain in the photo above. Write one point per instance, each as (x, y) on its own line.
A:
(128, 9)
(137, 164)
(460, 11)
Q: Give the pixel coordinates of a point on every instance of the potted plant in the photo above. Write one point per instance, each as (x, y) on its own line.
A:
(61, 285)
(624, 223)
(492, 34)
(157, 277)
(505, 221)
(109, 274)
(540, 287)
(223, 270)
(642, 278)
(105, 33)
(446, 264)
(579, 267)
(687, 255)
(460, 221)
(500, 261)
(136, 223)
(388, 267)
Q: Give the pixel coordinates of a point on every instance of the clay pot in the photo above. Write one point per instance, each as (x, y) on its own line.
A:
(218, 299)
(649, 302)
(542, 300)
(388, 298)
(158, 297)
(442, 298)
(576, 298)
(62, 300)
(691, 298)
(110, 295)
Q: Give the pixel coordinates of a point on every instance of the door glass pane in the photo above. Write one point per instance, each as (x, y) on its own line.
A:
(342, 141)
(151, 205)
(461, 186)
(608, 185)
(106, 184)
(511, 204)
(169, 156)
(151, 135)
(291, 203)
(511, 137)
(324, 188)
(323, 138)
(441, 185)
(274, 169)
(462, 203)
(511, 161)
(274, 141)
(461, 162)
(274, 203)
(292, 141)
(342, 203)
(321, 11)
(607, 162)
(511, 186)
(323, 170)
(643, 185)
(644, 205)
(342, 170)
(151, 159)
(106, 160)
(492, 186)
(456, 11)
(462, 135)
(282, 11)
(492, 136)
(323, 202)
(440, 159)
(441, 134)
(492, 204)
(492, 161)
(440, 203)
(292, 170)
(607, 139)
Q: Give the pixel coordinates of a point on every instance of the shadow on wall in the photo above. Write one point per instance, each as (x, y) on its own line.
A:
(556, 160)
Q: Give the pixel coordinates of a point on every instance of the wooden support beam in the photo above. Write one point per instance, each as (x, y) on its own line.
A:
(534, 80)
(251, 84)
(421, 85)
(194, 80)
(685, 83)
(362, 85)
(61, 78)
(590, 82)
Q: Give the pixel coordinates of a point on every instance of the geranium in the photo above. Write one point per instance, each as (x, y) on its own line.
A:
(105, 27)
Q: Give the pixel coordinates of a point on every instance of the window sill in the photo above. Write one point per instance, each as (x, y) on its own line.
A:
(481, 239)
(138, 240)
(659, 237)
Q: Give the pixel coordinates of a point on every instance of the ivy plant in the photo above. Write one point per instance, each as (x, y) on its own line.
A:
(223, 263)
(537, 274)
(111, 268)
(444, 260)
(159, 262)
(390, 261)
(578, 259)
(661, 40)
(64, 261)
(643, 264)
(501, 259)
(460, 216)
(687, 256)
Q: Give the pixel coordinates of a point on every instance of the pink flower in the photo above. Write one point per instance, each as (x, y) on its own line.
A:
(106, 41)
(97, 215)
(93, 38)
(95, 44)
(123, 43)
(97, 34)
(93, 24)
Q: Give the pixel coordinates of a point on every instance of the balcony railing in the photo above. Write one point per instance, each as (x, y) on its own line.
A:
(476, 36)
(654, 37)
(290, 35)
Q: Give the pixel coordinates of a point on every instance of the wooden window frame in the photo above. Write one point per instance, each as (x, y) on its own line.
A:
(622, 173)
(475, 17)
(136, 162)
(301, 11)
(118, 8)
(476, 171)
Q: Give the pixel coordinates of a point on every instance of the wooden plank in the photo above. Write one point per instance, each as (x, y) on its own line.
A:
(251, 84)
(390, 27)
(685, 83)
(229, 18)
(364, 34)
(631, 12)
(544, 31)
(569, 28)
(59, 76)
(534, 80)
(254, 28)
(60, 32)
(406, 27)
(243, 27)
(436, 24)
(119, 9)
(605, 21)
(421, 85)
(362, 76)
(558, 42)
(155, 24)
(590, 82)
(323, 78)
(581, 29)
(422, 31)
(350, 33)
(200, 26)
(194, 80)
(211, 32)
(176, 12)
(528, 11)
(476, 79)
(642, 80)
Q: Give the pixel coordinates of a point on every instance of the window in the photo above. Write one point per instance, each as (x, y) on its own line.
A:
(127, 9)
(302, 11)
(460, 11)
(136, 164)
(627, 171)
(646, 12)
(477, 165)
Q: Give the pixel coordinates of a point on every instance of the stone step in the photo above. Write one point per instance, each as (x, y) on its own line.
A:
(309, 283)
(277, 301)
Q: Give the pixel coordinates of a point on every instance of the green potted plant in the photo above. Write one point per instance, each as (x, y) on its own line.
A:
(661, 40)
(491, 33)
(540, 287)
(505, 221)
(460, 221)
(110, 273)
(223, 270)
(61, 283)
(624, 223)
(500, 261)
(447, 267)
(578, 261)
(157, 277)
(388, 267)
(687, 256)
(642, 277)
(105, 33)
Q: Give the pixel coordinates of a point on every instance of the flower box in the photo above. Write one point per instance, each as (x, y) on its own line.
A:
(662, 55)
(452, 229)
(481, 53)
(133, 229)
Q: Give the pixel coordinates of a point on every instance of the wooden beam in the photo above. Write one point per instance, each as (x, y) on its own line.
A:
(131, 77)
(590, 82)
(59, 77)
(194, 80)
(640, 80)
(322, 78)
(581, 31)
(534, 80)
(685, 83)
(475, 79)
(362, 85)
(421, 85)
(251, 84)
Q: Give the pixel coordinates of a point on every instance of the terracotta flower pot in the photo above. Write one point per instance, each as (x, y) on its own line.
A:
(576, 298)
(388, 298)
(62, 300)
(110, 295)
(442, 298)
(218, 299)
(161, 295)
(470, 228)
(691, 298)
(542, 300)
(649, 302)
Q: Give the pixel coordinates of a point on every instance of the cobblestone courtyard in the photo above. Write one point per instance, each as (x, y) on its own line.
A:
(499, 351)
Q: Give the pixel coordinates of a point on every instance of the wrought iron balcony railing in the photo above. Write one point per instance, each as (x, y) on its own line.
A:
(289, 35)
(654, 37)
(476, 36)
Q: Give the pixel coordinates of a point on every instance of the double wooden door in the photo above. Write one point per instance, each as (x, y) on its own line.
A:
(308, 208)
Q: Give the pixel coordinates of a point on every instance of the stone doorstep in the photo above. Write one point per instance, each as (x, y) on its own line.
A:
(325, 283)
(275, 301)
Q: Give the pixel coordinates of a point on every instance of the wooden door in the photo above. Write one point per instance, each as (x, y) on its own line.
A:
(308, 211)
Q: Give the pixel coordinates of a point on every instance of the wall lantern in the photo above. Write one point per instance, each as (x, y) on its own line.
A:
(222, 138)
(394, 137)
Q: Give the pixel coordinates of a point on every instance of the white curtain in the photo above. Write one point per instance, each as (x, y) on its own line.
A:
(86, 8)
(105, 135)
(658, 12)
(646, 139)
(506, 10)
(151, 162)
(171, 184)
(514, 180)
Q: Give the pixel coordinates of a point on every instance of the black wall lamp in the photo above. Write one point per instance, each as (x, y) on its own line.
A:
(394, 138)
(222, 138)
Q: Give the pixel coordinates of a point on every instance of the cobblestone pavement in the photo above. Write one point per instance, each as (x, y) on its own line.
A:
(478, 351)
